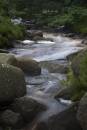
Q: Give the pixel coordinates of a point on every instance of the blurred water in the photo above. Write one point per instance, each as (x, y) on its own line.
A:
(44, 87)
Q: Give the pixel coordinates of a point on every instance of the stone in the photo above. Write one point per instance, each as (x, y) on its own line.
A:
(54, 66)
(65, 120)
(29, 66)
(7, 59)
(77, 61)
(12, 83)
(34, 33)
(27, 107)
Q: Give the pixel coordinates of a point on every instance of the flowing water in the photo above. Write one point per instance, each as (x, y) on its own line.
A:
(44, 87)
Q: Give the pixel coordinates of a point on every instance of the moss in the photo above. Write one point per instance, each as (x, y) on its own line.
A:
(78, 82)
(83, 71)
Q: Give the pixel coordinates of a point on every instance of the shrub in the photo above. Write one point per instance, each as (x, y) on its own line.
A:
(9, 32)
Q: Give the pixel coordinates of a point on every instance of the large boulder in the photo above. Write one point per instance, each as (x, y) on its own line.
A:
(79, 67)
(27, 107)
(82, 112)
(12, 83)
(65, 120)
(29, 66)
(7, 59)
(11, 119)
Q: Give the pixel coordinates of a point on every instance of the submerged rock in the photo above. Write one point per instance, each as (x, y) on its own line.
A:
(27, 107)
(82, 112)
(65, 120)
(29, 66)
(12, 83)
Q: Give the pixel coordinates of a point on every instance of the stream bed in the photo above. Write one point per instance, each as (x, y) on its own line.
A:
(44, 87)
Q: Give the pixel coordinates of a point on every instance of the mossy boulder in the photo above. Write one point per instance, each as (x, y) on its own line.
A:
(29, 66)
(12, 83)
(78, 61)
(79, 67)
(77, 76)
(7, 59)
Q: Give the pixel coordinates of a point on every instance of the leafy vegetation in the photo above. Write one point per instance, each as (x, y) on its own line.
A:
(54, 13)
(8, 31)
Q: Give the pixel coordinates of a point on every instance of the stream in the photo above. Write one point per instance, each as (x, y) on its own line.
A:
(44, 87)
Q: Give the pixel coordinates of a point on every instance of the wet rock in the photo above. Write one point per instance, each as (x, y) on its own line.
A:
(49, 39)
(65, 93)
(65, 120)
(82, 112)
(12, 83)
(84, 42)
(34, 33)
(54, 67)
(27, 107)
(29, 66)
(72, 56)
(12, 119)
(36, 38)
(7, 59)
(71, 35)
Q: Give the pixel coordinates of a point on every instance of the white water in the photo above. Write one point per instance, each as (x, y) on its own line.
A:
(48, 50)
